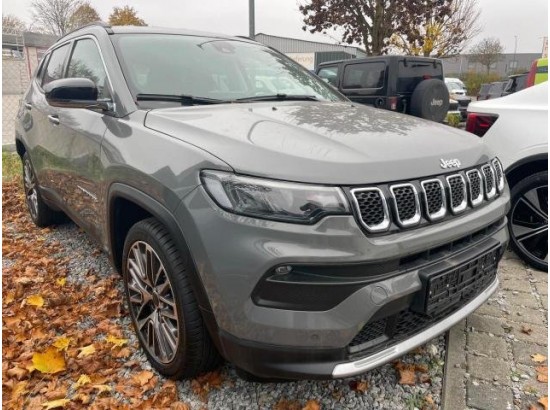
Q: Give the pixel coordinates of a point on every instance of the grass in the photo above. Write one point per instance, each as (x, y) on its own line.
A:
(11, 165)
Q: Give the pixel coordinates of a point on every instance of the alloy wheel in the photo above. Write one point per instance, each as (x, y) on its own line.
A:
(529, 223)
(152, 302)
(31, 193)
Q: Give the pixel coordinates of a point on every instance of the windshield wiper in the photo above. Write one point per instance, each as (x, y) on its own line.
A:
(279, 97)
(181, 98)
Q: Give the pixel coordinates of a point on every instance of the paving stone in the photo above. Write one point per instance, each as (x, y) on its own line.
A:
(539, 334)
(532, 385)
(454, 397)
(484, 344)
(540, 276)
(523, 351)
(489, 397)
(542, 288)
(488, 369)
(544, 300)
(519, 284)
(521, 299)
(491, 309)
(486, 324)
(526, 315)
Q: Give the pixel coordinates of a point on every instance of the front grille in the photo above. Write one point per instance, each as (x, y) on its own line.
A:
(474, 184)
(464, 102)
(457, 187)
(499, 174)
(406, 204)
(489, 179)
(418, 202)
(465, 281)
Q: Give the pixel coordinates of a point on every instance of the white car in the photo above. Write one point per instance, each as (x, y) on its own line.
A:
(455, 81)
(516, 128)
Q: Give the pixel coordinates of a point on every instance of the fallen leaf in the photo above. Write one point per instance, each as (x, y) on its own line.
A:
(542, 374)
(62, 343)
(35, 300)
(86, 350)
(51, 361)
(422, 368)
(538, 358)
(18, 372)
(82, 380)
(526, 329)
(19, 390)
(285, 404)
(179, 405)
(102, 388)
(359, 385)
(9, 298)
(407, 376)
(143, 377)
(544, 402)
(116, 342)
(61, 281)
(55, 404)
(313, 405)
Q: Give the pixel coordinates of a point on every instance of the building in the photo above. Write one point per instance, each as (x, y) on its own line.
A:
(509, 63)
(310, 53)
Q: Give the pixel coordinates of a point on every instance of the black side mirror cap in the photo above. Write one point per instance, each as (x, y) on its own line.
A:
(73, 93)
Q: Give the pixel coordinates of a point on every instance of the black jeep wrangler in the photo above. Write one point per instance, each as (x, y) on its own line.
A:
(408, 84)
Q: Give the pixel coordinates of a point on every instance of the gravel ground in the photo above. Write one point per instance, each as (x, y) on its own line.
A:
(383, 390)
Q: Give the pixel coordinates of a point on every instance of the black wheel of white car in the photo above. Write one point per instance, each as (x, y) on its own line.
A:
(528, 220)
(162, 306)
(41, 214)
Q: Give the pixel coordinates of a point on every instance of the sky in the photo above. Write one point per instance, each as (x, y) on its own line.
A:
(503, 19)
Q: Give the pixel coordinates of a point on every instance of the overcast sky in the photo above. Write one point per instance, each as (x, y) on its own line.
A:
(526, 19)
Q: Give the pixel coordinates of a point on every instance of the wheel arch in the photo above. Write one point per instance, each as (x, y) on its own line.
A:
(526, 166)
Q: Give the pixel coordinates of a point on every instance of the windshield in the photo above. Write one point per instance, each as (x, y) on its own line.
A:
(214, 68)
(454, 87)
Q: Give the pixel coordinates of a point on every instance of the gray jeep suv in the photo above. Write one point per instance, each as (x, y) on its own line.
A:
(255, 213)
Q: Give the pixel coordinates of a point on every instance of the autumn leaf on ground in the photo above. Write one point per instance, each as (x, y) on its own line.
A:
(538, 358)
(407, 373)
(62, 343)
(542, 374)
(61, 281)
(179, 405)
(544, 402)
(526, 329)
(9, 298)
(82, 380)
(102, 388)
(19, 390)
(35, 300)
(204, 383)
(55, 404)
(285, 404)
(51, 361)
(86, 350)
(143, 377)
(359, 385)
(312, 405)
(116, 342)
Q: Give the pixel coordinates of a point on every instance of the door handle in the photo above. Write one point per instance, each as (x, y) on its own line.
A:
(28, 105)
(53, 119)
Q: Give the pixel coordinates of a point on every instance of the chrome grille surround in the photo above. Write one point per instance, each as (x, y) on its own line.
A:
(385, 222)
(475, 183)
(499, 172)
(402, 195)
(457, 191)
(434, 216)
(489, 181)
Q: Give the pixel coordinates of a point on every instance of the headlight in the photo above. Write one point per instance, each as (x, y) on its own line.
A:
(277, 200)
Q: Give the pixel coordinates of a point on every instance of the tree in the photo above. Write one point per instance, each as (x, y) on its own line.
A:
(370, 22)
(84, 14)
(125, 16)
(439, 28)
(54, 16)
(487, 52)
(12, 24)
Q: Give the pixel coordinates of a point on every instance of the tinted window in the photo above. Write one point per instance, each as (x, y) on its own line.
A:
(86, 62)
(40, 71)
(364, 75)
(54, 69)
(412, 72)
(225, 69)
(329, 74)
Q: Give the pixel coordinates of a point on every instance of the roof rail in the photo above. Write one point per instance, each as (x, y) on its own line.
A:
(106, 26)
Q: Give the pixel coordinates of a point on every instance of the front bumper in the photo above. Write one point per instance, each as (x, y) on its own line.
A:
(233, 254)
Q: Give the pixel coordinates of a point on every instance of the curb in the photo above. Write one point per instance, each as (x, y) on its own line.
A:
(454, 391)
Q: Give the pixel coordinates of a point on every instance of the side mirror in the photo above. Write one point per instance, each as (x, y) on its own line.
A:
(73, 93)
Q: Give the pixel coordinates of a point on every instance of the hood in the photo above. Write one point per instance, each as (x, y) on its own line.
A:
(328, 143)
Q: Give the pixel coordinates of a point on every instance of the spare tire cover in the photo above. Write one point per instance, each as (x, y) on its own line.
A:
(430, 100)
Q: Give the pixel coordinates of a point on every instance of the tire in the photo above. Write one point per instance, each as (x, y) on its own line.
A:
(430, 100)
(528, 220)
(166, 316)
(41, 214)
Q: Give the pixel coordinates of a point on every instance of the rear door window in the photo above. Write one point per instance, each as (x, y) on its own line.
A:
(329, 74)
(412, 72)
(56, 63)
(364, 75)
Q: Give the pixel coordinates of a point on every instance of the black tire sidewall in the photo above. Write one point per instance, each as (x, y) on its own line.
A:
(522, 186)
(142, 232)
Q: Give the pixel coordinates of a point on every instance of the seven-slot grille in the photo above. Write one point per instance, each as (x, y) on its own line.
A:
(432, 198)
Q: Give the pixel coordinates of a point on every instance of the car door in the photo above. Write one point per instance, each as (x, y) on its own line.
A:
(82, 131)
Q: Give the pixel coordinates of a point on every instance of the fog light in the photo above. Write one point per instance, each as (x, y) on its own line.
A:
(282, 270)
